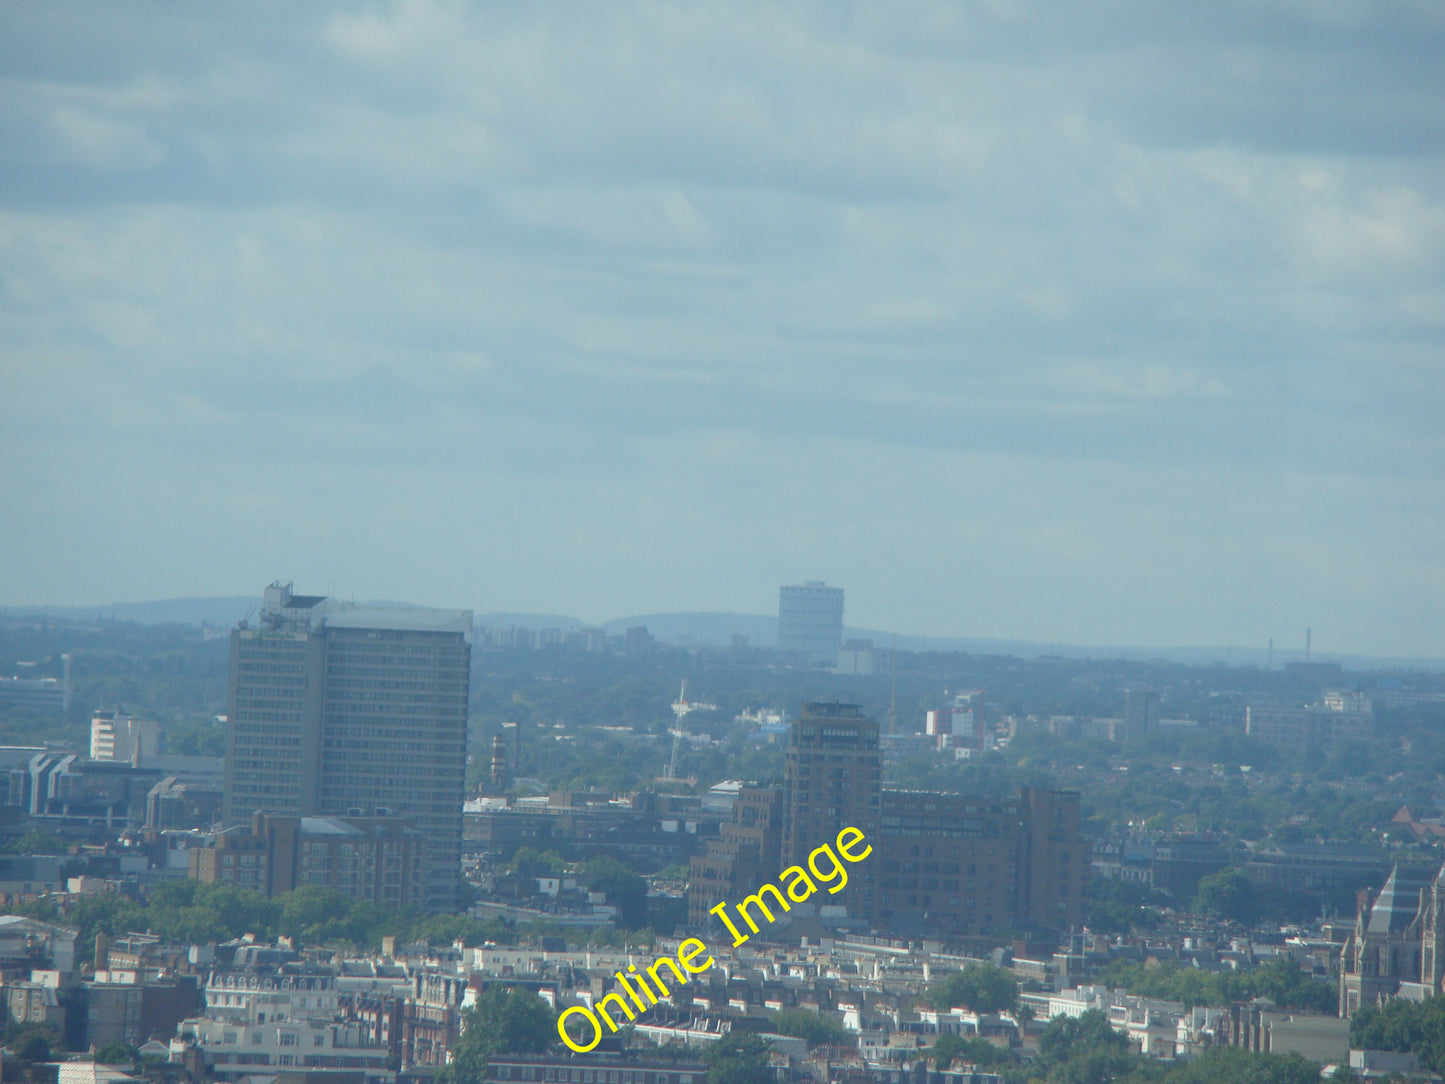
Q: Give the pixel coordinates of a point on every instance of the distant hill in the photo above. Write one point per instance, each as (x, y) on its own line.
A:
(223, 611)
(717, 629)
(702, 629)
(711, 629)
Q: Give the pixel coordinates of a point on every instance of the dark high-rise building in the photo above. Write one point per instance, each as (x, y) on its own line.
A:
(1053, 859)
(1141, 713)
(340, 710)
(942, 865)
(833, 776)
(810, 622)
(966, 864)
(947, 862)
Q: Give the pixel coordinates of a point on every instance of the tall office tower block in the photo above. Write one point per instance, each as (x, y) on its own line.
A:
(810, 621)
(343, 710)
(1053, 860)
(1141, 713)
(833, 776)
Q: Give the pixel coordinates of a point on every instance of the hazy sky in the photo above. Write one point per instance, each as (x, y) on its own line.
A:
(1097, 323)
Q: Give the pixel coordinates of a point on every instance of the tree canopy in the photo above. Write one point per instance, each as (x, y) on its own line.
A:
(623, 888)
(1416, 1027)
(979, 1052)
(189, 911)
(1281, 980)
(978, 987)
(739, 1057)
(1228, 894)
(817, 1029)
(503, 1020)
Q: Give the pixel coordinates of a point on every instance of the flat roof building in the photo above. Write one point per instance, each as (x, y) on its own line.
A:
(116, 736)
(343, 710)
(375, 859)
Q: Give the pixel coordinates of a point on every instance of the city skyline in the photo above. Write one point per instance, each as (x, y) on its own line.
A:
(1037, 323)
(716, 628)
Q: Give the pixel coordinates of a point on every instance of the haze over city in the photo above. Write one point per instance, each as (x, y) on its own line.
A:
(1094, 325)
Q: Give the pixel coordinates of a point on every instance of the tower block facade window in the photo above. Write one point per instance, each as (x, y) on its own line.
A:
(343, 710)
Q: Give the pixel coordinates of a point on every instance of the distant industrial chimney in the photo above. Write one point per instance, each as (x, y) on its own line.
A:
(500, 775)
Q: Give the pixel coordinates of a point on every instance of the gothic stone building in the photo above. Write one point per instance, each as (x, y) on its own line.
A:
(1396, 948)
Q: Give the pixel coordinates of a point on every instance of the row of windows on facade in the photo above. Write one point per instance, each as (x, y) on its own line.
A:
(964, 830)
(383, 642)
(342, 698)
(390, 747)
(261, 700)
(285, 1038)
(388, 847)
(837, 788)
(443, 732)
(948, 869)
(982, 921)
(832, 811)
(360, 714)
(255, 680)
(265, 745)
(262, 663)
(314, 1062)
(409, 764)
(262, 765)
(351, 881)
(240, 1000)
(353, 789)
(842, 773)
(389, 662)
(235, 981)
(926, 850)
(387, 667)
(990, 888)
(421, 683)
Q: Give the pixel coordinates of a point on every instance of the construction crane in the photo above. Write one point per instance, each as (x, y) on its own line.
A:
(681, 707)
